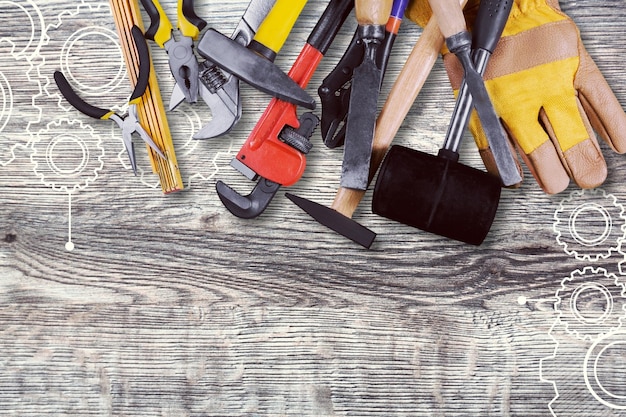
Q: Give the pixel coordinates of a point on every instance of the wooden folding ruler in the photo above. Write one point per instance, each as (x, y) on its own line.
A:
(151, 111)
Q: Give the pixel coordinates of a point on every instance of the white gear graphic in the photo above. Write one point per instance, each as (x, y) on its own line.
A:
(575, 371)
(67, 155)
(97, 42)
(19, 86)
(31, 20)
(591, 303)
(589, 224)
(607, 353)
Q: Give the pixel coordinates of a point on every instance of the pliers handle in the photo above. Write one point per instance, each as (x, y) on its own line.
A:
(129, 123)
(142, 82)
(160, 30)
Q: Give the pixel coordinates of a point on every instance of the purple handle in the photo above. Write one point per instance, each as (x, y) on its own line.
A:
(397, 10)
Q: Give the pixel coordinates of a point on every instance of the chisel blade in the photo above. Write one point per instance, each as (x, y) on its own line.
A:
(360, 125)
(335, 221)
(459, 44)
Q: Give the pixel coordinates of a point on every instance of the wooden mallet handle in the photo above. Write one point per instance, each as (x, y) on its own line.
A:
(449, 14)
(372, 12)
(400, 100)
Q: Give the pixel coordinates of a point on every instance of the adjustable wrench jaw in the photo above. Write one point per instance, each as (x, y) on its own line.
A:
(220, 89)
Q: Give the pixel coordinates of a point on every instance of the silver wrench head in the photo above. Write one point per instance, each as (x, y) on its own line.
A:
(225, 108)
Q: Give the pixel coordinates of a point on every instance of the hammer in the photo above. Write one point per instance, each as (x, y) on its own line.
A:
(409, 83)
(254, 63)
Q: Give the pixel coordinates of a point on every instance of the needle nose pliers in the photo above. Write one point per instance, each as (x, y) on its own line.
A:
(182, 60)
(129, 123)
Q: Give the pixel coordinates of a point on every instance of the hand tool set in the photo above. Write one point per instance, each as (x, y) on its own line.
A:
(433, 193)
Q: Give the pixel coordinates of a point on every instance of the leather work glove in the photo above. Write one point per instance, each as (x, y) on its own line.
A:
(549, 94)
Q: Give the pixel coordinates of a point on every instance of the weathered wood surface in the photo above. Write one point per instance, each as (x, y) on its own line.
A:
(168, 305)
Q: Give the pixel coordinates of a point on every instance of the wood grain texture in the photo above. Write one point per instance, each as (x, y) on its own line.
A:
(169, 305)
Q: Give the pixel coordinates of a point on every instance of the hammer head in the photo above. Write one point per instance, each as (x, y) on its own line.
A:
(436, 194)
(253, 68)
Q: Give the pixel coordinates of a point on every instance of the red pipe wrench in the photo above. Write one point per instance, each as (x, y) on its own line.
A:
(274, 153)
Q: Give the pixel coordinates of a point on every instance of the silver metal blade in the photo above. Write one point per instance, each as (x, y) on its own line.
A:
(360, 126)
(498, 142)
(252, 18)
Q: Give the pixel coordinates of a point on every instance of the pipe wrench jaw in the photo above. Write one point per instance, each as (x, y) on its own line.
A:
(288, 164)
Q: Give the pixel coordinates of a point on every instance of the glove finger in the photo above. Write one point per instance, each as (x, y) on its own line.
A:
(485, 150)
(599, 103)
(583, 159)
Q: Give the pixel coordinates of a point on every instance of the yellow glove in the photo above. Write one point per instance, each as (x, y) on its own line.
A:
(549, 94)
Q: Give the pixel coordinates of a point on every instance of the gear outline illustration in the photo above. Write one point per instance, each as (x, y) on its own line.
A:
(576, 322)
(595, 201)
(590, 368)
(24, 99)
(38, 35)
(55, 134)
(572, 368)
(61, 61)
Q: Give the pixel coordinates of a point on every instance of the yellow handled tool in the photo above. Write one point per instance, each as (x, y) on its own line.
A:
(276, 27)
(254, 64)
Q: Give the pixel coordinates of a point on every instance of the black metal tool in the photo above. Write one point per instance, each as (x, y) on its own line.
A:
(452, 24)
(336, 88)
(372, 16)
(254, 64)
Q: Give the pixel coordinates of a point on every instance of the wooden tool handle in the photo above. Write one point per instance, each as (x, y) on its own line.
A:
(372, 12)
(400, 100)
(449, 14)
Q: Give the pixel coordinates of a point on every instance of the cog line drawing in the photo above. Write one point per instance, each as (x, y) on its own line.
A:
(587, 324)
(592, 364)
(19, 110)
(64, 173)
(579, 213)
(38, 36)
(576, 369)
(98, 34)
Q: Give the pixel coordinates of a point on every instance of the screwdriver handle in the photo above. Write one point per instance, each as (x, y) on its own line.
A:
(275, 29)
(449, 15)
(489, 24)
(189, 23)
(372, 12)
(160, 30)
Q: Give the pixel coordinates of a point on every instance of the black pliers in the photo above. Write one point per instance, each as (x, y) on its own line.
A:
(334, 92)
(129, 123)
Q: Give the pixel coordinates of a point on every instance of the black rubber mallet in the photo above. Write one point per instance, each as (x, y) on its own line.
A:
(437, 193)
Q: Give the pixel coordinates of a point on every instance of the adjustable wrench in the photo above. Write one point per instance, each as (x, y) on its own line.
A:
(274, 153)
(220, 89)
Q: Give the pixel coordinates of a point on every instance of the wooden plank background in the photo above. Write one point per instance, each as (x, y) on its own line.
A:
(168, 305)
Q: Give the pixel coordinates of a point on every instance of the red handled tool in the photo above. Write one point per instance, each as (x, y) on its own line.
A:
(274, 153)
